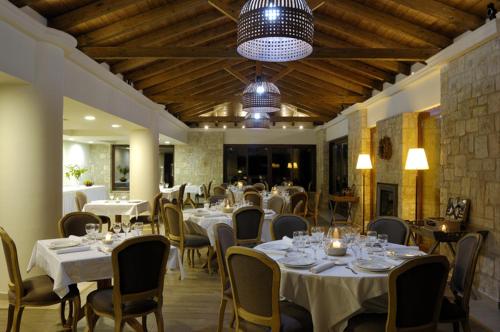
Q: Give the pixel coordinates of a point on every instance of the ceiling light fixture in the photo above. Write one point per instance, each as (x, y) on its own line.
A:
(116, 125)
(206, 127)
(275, 30)
(261, 97)
(301, 127)
(224, 126)
(167, 142)
(257, 120)
(89, 117)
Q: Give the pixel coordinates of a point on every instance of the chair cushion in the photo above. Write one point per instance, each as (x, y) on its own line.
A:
(192, 240)
(367, 323)
(102, 300)
(451, 311)
(38, 290)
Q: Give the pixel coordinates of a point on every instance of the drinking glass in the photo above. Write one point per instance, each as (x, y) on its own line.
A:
(383, 239)
(298, 240)
(317, 235)
(112, 197)
(126, 227)
(117, 227)
(90, 230)
(138, 227)
(371, 237)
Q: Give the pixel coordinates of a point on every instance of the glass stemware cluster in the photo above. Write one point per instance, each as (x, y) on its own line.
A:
(91, 229)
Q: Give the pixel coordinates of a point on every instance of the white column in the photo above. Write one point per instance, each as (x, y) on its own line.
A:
(31, 130)
(144, 171)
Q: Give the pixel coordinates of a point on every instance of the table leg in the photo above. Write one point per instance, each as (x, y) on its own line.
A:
(451, 249)
(134, 324)
(434, 247)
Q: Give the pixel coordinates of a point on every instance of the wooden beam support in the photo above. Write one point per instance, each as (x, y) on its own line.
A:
(238, 75)
(225, 119)
(209, 52)
(89, 12)
(285, 71)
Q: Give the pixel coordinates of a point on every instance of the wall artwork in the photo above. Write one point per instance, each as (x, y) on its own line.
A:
(385, 148)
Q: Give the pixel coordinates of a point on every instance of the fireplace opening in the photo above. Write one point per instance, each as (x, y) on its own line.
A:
(387, 199)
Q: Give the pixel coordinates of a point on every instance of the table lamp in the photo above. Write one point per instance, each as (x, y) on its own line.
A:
(365, 164)
(416, 161)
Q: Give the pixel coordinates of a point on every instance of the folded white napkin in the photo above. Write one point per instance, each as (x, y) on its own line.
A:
(272, 252)
(287, 240)
(72, 249)
(75, 238)
(322, 267)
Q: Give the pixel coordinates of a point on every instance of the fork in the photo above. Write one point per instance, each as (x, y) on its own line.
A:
(350, 268)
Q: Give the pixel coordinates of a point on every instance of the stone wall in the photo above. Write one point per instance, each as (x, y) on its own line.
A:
(403, 132)
(322, 164)
(359, 142)
(470, 155)
(100, 164)
(200, 160)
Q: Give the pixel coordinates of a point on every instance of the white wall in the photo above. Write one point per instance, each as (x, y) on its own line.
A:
(269, 136)
(339, 127)
(75, 154)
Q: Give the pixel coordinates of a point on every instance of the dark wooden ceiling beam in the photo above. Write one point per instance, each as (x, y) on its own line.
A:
(364, 12)
(442, 11)
(209, 52)
(168, 12)
(89, 12)
(282, 73)
(238, 76)
(228, 119)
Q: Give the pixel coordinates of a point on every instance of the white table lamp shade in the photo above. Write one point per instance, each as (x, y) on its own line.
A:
(364, 161)
(416, 159)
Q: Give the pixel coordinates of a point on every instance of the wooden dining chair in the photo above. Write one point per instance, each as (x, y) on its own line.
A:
(253, 197)
(396, 229)
(32, 292)
(416, 290)
(456, 310)
(285, 224)
(179, 239)
(224, 239)
(219, 191)
(139, 266)
(74, 223)
(295, 199)
(299, 209)
(255, 282)
(81, 200)
(180, 198)
(250, 189)
(277, 204)
(209, 187)
(259, 186)
(151, 217)
(313, 209)
(247, 223)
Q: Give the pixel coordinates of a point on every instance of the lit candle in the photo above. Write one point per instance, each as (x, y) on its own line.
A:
(336, 244)
(108, 238)
(240, 185)
(336, 234)
(444, 228)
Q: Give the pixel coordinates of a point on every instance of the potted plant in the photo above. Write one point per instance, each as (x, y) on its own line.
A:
(88, 183)
(74, 171)
(124, 170)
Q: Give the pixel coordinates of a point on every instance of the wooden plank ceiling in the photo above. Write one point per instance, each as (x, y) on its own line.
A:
(181, 53)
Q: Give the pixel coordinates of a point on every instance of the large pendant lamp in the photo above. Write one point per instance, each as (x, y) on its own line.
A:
(275, 30)
(261, 97)
(257, 120)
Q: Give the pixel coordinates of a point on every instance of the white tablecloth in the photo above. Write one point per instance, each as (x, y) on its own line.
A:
(206, 224)
(332, 296)
(170, 193)
(117, 208)
(193, 189)
(72, 268)
(93, 193)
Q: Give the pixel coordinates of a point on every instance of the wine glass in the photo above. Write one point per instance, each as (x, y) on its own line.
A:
(90, 229)
(317, 235)
(117, 227)
(138, 227)
(126, 227)
(383, 239)
(371, 237)
(298, 240)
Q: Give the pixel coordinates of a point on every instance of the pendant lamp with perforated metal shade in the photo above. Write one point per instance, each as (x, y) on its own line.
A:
(275, 30)
(257, 120)
(261, 97)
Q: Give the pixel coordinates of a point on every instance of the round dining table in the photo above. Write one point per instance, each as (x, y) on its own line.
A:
(334, 295)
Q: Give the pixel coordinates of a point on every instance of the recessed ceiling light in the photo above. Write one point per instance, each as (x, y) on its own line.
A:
(116, 125)
(284, 127)
(71, 139)
(206, 127)
(167, 142)
(301, 127)
(89, 117)
(91, 142)
(224, 126)
(243, 127)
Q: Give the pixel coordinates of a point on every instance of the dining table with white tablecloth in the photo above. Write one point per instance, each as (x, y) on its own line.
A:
(203, 221)
(81, 263)
(170, 193)
(117, 207)
(334, 295)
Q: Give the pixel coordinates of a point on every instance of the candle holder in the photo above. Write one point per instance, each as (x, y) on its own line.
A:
(108, 239)
(336, 247)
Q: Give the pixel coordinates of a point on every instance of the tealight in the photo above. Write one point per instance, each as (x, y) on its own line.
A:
(108, 238)
(336, 248)
(444, 228)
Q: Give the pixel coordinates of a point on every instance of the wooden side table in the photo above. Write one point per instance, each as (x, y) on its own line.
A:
(349, 200)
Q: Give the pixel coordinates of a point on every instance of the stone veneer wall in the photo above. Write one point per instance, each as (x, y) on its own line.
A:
(359, 141)
(470, 156)
(322, 164)
(100, 161)
(200, 160)
(402, 130)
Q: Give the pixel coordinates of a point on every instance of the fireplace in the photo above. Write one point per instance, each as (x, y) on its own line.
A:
(387, 199)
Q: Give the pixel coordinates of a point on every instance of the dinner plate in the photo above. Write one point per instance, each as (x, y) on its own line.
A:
(280, 246)
(297, 262)
(63, 243)
(404, 253)
(373, 265)
(135, 201)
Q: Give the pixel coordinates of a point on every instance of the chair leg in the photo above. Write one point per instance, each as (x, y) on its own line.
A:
(222, 309)
(456, 327)
(10, 318)
(466, 325)
(182, 261)
(18, 314)
(233, 320)
(209, 260)
(145, 323)
(119, 325)
(76, 303)
(159, 320)
(62, 312)
(91, 318)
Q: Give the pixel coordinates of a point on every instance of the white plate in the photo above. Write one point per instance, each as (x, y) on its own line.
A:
(63, 243)
(297, 262)
(134, 201)
(404, 253)
(269, 211)
(373, 265)
(280, 246)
